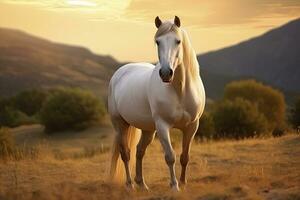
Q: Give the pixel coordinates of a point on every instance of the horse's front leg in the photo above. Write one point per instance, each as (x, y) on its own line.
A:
(163, 134)
(188, 135)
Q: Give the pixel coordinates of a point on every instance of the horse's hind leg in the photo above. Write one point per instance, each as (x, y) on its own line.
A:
(146, 139)
(122, 128)
(188, 135)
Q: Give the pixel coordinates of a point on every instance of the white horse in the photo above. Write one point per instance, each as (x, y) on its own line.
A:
(155, 99)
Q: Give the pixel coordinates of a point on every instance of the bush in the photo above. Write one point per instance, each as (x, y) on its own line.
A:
(295, 114)
(278, 132)
(6, 143)
(70, 109)
(270, 102)
(238, 119)
(30, 101)
(206, 129)
(11, 117)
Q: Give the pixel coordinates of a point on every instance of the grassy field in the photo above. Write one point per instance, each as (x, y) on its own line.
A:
(75, 165)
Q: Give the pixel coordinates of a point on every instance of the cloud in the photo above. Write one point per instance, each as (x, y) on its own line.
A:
(102, 9)
(194, 13)
(206, 13)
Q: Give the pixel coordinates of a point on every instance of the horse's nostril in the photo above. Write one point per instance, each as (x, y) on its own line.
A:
(171, 72)
(160, 72)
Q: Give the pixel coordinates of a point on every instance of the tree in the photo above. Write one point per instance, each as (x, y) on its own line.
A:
(269, 101)
(71, 109)
(238, 119)
(30, 102)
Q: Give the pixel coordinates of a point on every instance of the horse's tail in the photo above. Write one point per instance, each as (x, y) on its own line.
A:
(116, 166)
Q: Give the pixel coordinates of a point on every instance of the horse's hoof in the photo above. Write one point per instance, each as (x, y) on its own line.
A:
(182, 186)
(143, 187)
(175, 187)
(130, 186)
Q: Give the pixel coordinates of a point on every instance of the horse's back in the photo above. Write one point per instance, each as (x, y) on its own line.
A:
(128, 94)
(132, 69)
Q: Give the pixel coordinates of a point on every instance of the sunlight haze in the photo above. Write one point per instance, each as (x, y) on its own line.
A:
(125, 28)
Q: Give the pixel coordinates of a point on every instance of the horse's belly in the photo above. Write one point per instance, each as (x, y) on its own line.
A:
(131, 97)
(144, 124)
(138, 116)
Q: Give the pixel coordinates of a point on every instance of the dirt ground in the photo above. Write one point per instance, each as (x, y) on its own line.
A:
(75, 165)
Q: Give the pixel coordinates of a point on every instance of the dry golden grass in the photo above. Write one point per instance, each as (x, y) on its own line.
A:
(74, 166)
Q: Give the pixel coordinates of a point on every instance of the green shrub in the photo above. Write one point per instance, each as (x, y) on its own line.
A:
(11, 117)
(238, 119)
(295, 114)
(70, 109)
(206, 129)
(270, 102)
(6, 143)
(30, 101)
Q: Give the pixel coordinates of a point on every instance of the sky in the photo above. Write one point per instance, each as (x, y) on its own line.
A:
(125, 28)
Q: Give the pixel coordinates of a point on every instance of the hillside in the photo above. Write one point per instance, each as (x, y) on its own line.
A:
(74, 166)
(273, 58)
(29, 62)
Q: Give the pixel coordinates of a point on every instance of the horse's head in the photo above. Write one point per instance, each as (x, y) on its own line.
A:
(168, 39)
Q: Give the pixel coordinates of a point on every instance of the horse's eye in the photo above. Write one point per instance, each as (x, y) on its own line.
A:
(178, 41)
(157, 42)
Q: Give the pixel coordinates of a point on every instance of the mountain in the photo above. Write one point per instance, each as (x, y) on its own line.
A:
(27, 62)
(273, 58)
(30, 62)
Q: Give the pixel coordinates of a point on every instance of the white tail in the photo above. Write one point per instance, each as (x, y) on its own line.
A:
(116, 165)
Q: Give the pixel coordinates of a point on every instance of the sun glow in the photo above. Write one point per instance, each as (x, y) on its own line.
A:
(81, 3)
(102, 25)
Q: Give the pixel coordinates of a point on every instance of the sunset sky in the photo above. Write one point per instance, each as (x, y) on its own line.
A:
(125, 28)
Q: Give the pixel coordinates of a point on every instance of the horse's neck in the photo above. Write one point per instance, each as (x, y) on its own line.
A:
(186, 74)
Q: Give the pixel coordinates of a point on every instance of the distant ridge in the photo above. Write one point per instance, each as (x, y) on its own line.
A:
(273, 58)
(29, 62)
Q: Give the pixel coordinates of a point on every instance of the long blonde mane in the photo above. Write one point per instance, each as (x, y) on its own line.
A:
(189, 56)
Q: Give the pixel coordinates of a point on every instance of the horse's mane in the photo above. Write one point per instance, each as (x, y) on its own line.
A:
(189, 55)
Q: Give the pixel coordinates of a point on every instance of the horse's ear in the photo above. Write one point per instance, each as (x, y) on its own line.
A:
(157, 22)
(177, 21)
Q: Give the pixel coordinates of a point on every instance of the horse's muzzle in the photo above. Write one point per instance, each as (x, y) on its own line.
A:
(166, 74)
